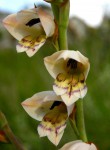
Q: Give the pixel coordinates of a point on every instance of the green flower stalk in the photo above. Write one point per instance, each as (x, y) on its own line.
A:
(63, 24)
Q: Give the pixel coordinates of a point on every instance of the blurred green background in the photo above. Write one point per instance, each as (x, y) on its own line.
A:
(21, 77)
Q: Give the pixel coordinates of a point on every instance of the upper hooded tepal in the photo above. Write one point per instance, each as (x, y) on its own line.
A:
(70, 69)
(31, 28)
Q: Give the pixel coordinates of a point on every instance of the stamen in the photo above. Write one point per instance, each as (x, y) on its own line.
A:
(56, 103)
(33, 22)
(72, 63)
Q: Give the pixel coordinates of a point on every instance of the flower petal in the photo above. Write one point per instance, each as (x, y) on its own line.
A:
(10, 23)
(39, 104)
(56, 62)
(47, 22)
(54, 123)
(30, 45)
(55, 138)
(78, 145)
(69, 100)
(70, 87)
(70, 109)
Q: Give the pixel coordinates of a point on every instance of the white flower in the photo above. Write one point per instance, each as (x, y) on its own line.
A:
(48, 108)
(70, 69)
(31, 28)
(78, 145)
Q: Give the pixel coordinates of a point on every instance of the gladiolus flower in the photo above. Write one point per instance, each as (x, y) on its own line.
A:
(48, 108)
(31, 28)
(78, 145)
(70, 70)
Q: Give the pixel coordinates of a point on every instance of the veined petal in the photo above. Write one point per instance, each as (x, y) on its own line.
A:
(55, 138)
(30, 45)
(54, 123)
(81, 90)
(70, 87)
(78, 145)
(69, 100)
(47, 22)
(61, 84)
(39, 104)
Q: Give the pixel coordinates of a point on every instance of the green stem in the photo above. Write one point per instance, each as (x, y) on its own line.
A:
(55, 10)
(63, 24)
(8, 132)
(73, 125)
(80, 120)
(62, 38)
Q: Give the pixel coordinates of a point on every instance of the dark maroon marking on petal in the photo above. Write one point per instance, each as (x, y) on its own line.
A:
(28, 48)
(56, 103)
(72, 63)
(82, 81)
(60, 80)
(39, 43)
(49, 129)
(60, 87)
(33, 22)
(56, 130)
(77, 90)
(70, 90)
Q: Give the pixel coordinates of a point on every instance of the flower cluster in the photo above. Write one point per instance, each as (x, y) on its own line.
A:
(69, 68)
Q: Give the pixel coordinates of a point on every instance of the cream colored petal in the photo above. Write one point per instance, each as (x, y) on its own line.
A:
(39, 104)
(59, 90)
(47, 22)
(82, 90)
(70, 109)
(78, 145)
(70, 87)
(26, 15)
(54, 123)
(92, 147)
(55, 62)
(55, 138)
(30, 52)
(21, 48)
(44, 129)
(30, 44)
(69, 100)
(51, 64)
(10, 24)
(68, 146)
(61, 84)
(53, 134)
